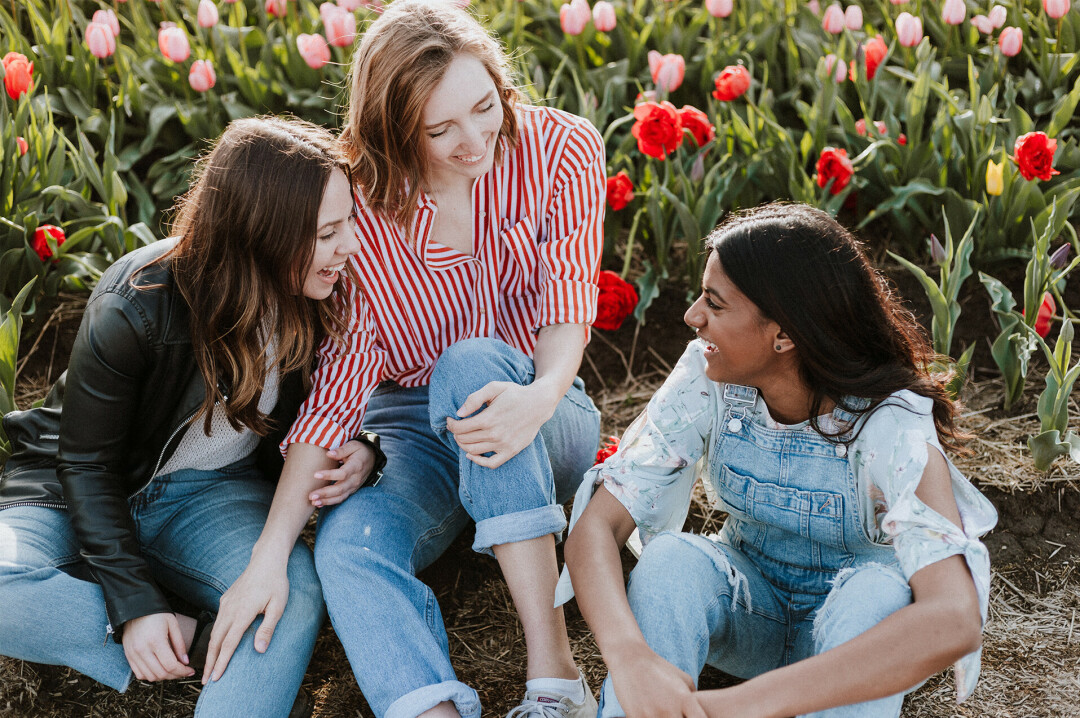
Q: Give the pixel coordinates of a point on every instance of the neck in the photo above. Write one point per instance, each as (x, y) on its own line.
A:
(450, 187)
(790, 400)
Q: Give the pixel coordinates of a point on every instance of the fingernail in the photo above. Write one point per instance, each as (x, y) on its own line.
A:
(332, 452)
(318, 475)
(185, 659)
(318, 503)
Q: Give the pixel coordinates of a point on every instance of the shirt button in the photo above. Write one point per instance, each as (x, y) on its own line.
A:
(841, 450)
(734, 425)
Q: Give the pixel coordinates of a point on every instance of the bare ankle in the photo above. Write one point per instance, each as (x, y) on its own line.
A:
(446, 709)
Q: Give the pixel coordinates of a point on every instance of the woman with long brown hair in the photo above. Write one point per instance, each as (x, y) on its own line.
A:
(849, 567)
(161, 440)
(480, 221)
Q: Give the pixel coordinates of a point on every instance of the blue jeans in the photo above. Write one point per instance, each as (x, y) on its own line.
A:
(700, 602)
(369, 548)
(196, 529)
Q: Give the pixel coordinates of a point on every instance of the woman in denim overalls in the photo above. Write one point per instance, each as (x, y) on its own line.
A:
(849, 567)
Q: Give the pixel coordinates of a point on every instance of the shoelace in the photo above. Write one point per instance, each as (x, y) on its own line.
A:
(529, 709)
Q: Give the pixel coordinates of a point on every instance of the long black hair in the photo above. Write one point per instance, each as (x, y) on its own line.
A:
(854, 339)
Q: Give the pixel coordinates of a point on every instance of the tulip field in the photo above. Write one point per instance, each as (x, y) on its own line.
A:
(943, 132)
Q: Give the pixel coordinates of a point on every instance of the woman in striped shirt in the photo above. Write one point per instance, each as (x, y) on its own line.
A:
(480, 221)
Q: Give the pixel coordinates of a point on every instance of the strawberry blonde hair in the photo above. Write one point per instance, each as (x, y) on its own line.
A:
(401, 58)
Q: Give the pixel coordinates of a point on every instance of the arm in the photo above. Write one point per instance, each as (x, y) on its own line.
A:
(941, 625)
(645, 683)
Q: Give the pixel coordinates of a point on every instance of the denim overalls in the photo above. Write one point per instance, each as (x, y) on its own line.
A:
(792, 572)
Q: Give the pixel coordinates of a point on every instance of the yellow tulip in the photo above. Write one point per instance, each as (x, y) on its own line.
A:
(995, 181)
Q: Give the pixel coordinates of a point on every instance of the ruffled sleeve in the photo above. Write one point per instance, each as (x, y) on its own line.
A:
(893, 450)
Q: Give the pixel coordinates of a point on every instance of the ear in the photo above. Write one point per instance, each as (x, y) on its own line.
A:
(782, 342)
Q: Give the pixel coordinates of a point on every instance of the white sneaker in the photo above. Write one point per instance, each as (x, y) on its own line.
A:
(542, 704)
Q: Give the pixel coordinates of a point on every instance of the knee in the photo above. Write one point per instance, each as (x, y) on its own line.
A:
(670, 572)
(469, 364)
(859, 599)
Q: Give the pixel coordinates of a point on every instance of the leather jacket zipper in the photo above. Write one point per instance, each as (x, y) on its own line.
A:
(183, 425)
(43, 504)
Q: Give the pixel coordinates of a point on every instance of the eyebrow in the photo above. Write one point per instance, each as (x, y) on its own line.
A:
(715, 295)
(489, 96)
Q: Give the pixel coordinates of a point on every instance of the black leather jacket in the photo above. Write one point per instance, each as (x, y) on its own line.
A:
(131, 387)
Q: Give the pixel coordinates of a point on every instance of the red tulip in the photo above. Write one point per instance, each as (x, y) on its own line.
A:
(42, 235)
(732, 82)
(18, 74)
(313, 49)
(873, 51)
(658, 128)
(1034, 155)
(24, 146)
(620, 191)
(276, 8)
(834, 165)
(607, 449)
(616, 301)
(1045, 316)
(201, 77)
(698, 123)
(100, 40)
(667, 70)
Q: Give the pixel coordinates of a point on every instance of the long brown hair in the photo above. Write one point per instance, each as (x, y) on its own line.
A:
(401, 58)
(854, 339)
(247, 230)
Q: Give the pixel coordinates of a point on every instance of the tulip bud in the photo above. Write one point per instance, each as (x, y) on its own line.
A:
(173, 43)
(202, 77)
(982, 24)
(835, 67)
(100, 40)
(937, 252)
(313, 49)
(24, 146)
(1010, 41)
(44, 233)
(953, 12)
(833, 21)
(350, 5)
(340, 25)
(998, 15)
(898, 2)
(853, 19)
(815, 7)
(208, 13)
(18, 74)
(1060, 258)
(107, 17)
(276, 8)
(719, 8)
(667, 70)
(1056, 8)
(908, 29)
(995, 178)
(697, 170)
(603, 16)
(574, 16)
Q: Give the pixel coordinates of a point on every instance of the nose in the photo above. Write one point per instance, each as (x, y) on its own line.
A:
(475, 140)
(350, 243)
(692, 316)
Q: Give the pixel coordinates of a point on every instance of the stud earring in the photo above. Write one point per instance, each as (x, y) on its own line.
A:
(778, 347)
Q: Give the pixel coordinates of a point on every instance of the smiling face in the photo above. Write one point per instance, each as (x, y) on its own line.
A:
(462, 118)
(740, 341)
(335, 240)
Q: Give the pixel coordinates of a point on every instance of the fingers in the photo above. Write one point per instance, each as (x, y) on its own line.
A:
(223, 642)
(176, 640)
(274, 609)
(490, 462)
(692, 709)
(335, 494)
(166, 663)
(343, 452)
(475, 402)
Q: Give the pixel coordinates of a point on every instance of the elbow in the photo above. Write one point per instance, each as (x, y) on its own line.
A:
(961, 632)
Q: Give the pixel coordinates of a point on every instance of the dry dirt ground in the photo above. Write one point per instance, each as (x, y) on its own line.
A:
(1031, 646)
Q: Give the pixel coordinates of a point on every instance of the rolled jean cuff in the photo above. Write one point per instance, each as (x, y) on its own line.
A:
(519, 526)
(423, 699)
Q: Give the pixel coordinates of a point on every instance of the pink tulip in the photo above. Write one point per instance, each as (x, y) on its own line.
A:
(835, 67)
(340, 25)
(719, 8)
(815, 7)
(276, 8)
(173, 42)
(998, 15)
(107, 17)
(983, 24)
(1056, 8)
(603, 16)
(100, 40)
(833, 22)
(667, 70)
(953, 12)
(227, 2)
(853, 19)
(574, 16)
(208, 14)
(1010, 41)
(908, 29)
(314, 50)
(350, 5)
(202, 77)
(898, 2)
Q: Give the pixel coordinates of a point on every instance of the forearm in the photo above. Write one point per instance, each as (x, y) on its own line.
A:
(557, 358)
(291, 509)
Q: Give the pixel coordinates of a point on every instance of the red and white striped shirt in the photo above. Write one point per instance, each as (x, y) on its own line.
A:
(537, 236)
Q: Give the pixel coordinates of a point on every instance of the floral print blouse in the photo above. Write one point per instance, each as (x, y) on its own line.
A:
(663, 452)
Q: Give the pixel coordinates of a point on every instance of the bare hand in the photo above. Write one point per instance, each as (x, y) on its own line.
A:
(510, 419)
(649, 687)
(356, 460)
(259, 590)
(154, 648)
